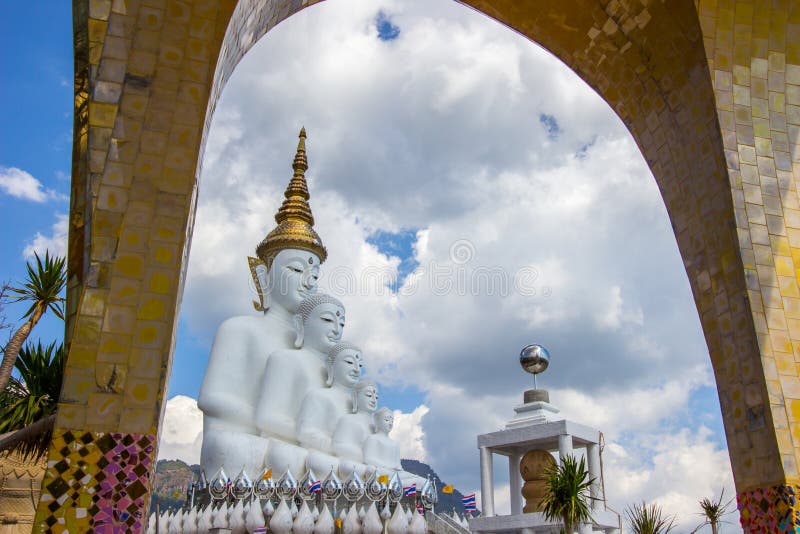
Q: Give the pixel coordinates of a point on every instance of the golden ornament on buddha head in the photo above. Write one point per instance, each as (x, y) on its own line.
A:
(295, 221)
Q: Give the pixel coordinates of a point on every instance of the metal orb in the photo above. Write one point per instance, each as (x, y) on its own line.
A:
(534, 359)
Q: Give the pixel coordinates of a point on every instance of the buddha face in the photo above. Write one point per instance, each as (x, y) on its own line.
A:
(384, 421)
(292, 277)
(347, 368)
(367, 399)
(323, 328)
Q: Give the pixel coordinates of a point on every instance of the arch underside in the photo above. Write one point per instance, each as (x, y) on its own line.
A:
(710, 91)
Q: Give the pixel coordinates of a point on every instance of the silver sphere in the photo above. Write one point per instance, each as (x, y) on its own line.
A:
(534, 359)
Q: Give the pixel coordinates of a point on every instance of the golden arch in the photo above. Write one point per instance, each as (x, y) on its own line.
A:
(709, 89)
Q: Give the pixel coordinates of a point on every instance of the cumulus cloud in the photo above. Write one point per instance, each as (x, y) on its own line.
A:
(55, 243)
(526, 229)
(407, 431)
(21, 184)
(181, 430)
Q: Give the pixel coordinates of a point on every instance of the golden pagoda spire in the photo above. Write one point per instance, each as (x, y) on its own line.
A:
(295, 221)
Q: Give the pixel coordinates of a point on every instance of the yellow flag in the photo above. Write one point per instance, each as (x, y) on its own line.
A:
(177, 493)
(338, 522)
(383, 479)
(448, 489)
(267, 474)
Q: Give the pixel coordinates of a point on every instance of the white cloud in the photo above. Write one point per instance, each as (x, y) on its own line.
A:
(21, 184)
(673, 469)
(55, 243)
(407, 431)
(181, 430)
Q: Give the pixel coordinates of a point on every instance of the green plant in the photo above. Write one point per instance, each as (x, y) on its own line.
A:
(713, 511)
(648, 519)
(43, 287)
(32, 397)
(566, 497)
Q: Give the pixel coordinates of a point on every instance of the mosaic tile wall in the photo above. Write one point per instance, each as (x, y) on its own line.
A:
(96, 482)
(770, 510)
(710, 90)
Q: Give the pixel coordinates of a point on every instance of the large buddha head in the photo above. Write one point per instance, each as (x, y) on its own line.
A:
(289, 256)
(344, 365)
(319, 323)
(292, 277)
(365, 397)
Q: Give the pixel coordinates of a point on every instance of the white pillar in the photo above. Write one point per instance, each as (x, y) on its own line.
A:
(515, 483)
(593, 459)
(564, 445)
(487, 482)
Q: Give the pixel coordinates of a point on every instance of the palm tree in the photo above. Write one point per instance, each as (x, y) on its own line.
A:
(648, 519)
(42, 289)
(713, 512)
(566, 497)
(28, 403)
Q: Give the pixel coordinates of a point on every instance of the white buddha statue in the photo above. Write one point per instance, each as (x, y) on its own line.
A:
(383, 452)
(353, 429)
(322, 408)
(291, 374)
(379, 449)
(287, 272)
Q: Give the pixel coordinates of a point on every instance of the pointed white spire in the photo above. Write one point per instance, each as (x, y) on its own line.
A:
(398, 523)
(351, 524)
(255, 517)
(236, 518)
(204, 520)
(268, 509)
(372, 523)
(281, 521)
(324, 523)
(386, 512)
(163, 522)
(418, 524)
(304, 522)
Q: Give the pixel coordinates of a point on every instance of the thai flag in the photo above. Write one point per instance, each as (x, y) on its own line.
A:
(260, 530)
(315, 487)
(410, 491)
(469, 503)
(421, 509)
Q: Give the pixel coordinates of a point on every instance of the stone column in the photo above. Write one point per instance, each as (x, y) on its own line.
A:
(515, 483)
(564, 446)
(487, 482)
(593, 459)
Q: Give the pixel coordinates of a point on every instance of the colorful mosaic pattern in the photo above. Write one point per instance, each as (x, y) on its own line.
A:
(770, 510)
(96, 482)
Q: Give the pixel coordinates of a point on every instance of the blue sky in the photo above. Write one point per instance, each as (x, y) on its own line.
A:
(430, 127)
(36, 113)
